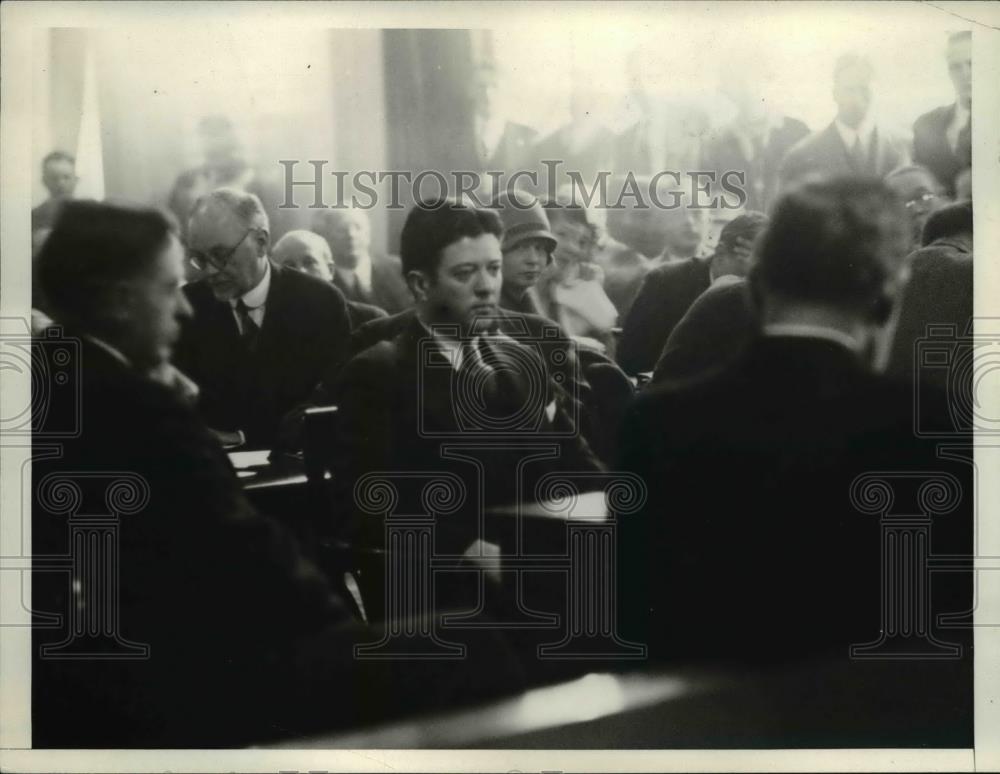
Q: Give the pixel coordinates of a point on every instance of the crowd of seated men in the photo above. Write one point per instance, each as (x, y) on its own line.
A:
(768, 400)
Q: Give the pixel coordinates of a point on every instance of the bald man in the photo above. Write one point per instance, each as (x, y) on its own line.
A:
(309, 253)
(358, 274)
(263, 336)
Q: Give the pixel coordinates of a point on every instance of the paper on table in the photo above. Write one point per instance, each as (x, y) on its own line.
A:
(249, 459)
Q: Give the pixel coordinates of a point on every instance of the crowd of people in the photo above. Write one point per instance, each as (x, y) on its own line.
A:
(747, 389)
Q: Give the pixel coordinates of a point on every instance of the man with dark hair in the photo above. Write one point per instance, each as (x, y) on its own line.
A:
(450, 374)
(942, 138)
(263, 337)
(939, 292)
(771, 561)
(59, 178)
(198, 570)
(852, 144)
(668, 291)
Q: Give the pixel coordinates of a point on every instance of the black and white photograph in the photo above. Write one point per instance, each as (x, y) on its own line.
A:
(502, 386)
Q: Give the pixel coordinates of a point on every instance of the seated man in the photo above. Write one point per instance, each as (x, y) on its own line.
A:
(939, 291)
(358, 274)
(721, 322)
(452, 378)
(753, 543)
(668, 291)
(309, 253)
(263, 337)
(219, 593)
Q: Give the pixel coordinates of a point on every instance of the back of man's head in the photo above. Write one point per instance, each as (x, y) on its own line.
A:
(433, 225)
(952, 220)
(836, 243)
(92, 248)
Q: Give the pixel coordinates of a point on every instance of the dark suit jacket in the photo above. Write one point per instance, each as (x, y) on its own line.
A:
(664, 296)
(717, 328)
(824, 153)
(217, 591)
(44, 215)
(398, 407)
(389, 290)
(303, 341)
(749, 545)
(724, 152)
(939, 292)
(932, 150)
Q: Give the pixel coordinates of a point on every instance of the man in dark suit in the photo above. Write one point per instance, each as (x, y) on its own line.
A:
(852, 144)
(668, 291)
(59, 178)
(942, 138)
(451, 377)
(309, 253)
(750, 545)
(939, 291)
(217, 592)
(359, 275)
(263, 337)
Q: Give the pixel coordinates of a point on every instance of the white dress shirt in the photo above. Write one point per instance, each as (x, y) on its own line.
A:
(864, 133)
(255, 299)
(806, 331)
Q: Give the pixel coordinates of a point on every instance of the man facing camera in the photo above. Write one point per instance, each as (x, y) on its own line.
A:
(59, 178)
(450, 378)
(263, 336)
(309, 253)
(778, 561)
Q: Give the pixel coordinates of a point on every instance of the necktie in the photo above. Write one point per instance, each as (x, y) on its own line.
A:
(250, 329)
(963, 145)
(858, 155)
(477, 380)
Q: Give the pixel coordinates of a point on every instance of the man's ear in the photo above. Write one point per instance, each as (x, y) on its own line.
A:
(419, 284)
(262, 238)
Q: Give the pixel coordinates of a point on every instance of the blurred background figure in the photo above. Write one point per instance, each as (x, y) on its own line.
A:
(571, 290)
(501, 144)
(59, 178)
(359, 275)
(852, 144)
(309, 253)
(756, 140)
(920, 193)
(224, 165)
(942, 138)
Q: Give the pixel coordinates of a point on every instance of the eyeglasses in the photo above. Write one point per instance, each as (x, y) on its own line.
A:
(218, 258)
(921, 200)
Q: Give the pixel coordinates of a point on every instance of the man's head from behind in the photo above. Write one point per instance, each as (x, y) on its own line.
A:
(116, 274)
(852, 88)
(347, 231)
(228, 240)
(732, 256)
(59, 175)
(304, 251)
(959, 56)
(836, 247)
(452, 261)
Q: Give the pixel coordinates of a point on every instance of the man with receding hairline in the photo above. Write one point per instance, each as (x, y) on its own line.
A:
(264, 336)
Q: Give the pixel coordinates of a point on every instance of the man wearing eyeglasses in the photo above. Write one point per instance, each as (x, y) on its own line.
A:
(942, 138)
(263, 337)
(920, 193)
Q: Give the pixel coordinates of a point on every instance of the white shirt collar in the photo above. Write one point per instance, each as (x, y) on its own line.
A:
(257, 296)
(806, 331)
(115, 353)
(849, 135)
